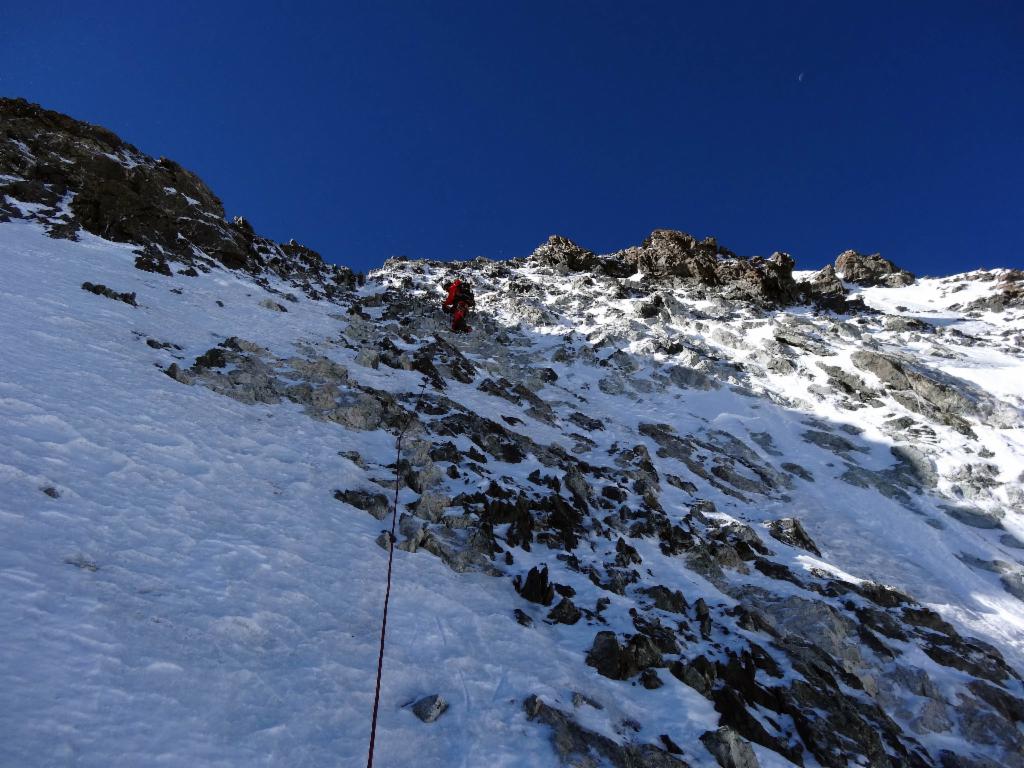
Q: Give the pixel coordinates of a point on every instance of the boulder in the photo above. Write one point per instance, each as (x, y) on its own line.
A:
(429, 708)
(729, 748)
(565, 612)
(536, 588)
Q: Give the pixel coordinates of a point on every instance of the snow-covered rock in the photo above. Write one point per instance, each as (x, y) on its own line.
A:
(661, 507)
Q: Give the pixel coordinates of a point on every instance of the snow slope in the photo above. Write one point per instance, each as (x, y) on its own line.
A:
(179, 586)
(196, 596)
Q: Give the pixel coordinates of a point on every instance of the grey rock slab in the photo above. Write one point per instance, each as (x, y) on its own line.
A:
(729, 748)
(429, 708)
(790, 531)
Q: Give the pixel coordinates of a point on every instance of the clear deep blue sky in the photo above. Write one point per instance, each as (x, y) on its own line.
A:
(450, 130)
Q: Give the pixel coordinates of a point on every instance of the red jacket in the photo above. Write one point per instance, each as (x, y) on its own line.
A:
(453, 291)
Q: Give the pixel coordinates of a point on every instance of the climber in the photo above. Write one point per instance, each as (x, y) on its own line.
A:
(458, 302)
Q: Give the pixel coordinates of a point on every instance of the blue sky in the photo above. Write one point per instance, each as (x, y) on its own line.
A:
(451, 130)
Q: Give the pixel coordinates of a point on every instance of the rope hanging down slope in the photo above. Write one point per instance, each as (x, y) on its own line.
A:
(391, 558)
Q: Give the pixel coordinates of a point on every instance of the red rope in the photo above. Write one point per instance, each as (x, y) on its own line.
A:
(387, 593)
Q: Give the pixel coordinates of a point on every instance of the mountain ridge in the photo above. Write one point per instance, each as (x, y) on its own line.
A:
(83, 176)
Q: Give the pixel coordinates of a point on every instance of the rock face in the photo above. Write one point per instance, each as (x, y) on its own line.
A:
(937, 395)
(77, 176)
(871, 270)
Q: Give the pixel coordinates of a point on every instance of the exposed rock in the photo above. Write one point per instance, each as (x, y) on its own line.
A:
(429, 708)
(581, 699)
(522, 617)
(80, 176)
(1013, 582)
(1009, 294)
(826, 290)
(82, 562)
(700, 674)
(871, 270)
(729, 750)
(915, 465)
(150, 262)
(926, 391)
(376, 504)
(801, 662)
(212, 358)
(974, 480)
(649, 679)
(562, 252)
(803, 341)
(849, 384)
(973, 516)
(369, 358)
(565, 612)
(273, 305)
(791, 531)
(666, 599)
(102, 290)
(668, 253)
(831, 442)
(799, 471)
(578, 747)
(537, 588)
(606, 656)
(622, 662)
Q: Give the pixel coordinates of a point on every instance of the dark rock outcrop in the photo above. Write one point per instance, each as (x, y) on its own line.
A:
(82, 177)
(871, 270)
(790, 531)
(537, 588)
(825, 290)
(561, 252)
(375, 503)
(668, 253)
(110, 293)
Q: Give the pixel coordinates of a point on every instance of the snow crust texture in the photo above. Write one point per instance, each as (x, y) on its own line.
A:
(662, 507)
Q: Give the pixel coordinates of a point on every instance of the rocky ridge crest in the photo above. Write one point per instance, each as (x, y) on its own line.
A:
(73, 176)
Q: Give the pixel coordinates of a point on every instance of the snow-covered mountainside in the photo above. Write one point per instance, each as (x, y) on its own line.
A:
(663, 507)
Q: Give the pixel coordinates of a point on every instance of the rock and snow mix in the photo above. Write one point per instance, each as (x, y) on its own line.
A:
(663, 507)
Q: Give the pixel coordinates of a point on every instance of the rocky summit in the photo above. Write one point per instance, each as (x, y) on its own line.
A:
(668, 506)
